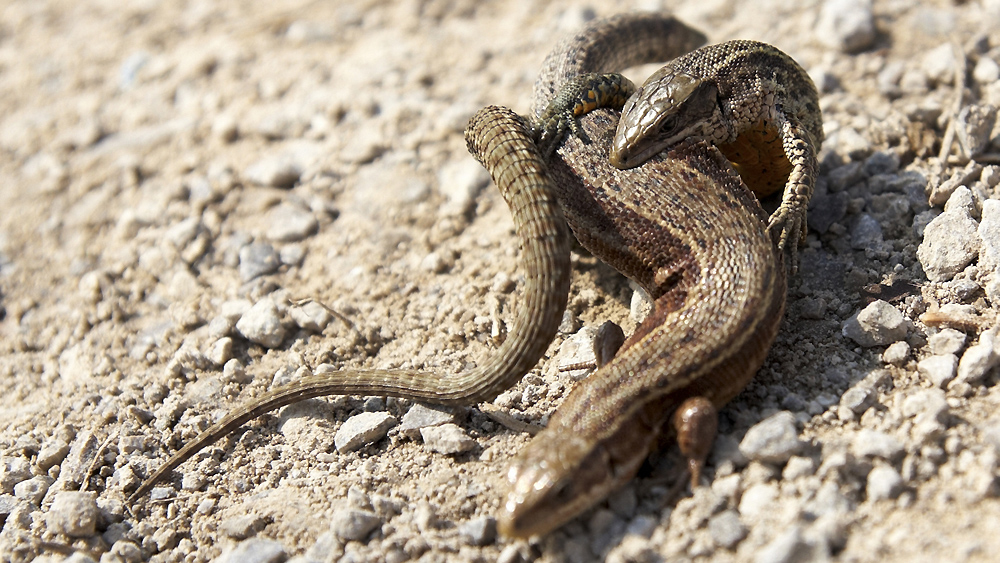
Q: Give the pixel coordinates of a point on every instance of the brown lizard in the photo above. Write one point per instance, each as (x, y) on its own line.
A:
(752, 101)
(682, 225)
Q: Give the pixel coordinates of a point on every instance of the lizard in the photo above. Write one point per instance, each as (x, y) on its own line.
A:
(662, 225)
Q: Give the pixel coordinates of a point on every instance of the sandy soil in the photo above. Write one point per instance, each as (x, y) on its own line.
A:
(147, 147)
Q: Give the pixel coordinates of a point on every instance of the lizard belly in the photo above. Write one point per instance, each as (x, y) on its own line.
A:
(759, 157)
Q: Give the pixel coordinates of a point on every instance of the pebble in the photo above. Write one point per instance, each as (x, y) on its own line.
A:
(479, 531)
(292, 254)
(772, 440)
(256, 550)
(878, 324)
(941, 193)
(352, 524)
(362, 429)
(421, 416)
(290, 223)
(928, 409)
(866, 233)
(220, 352)
(827, 210)
(33, 490)
(310, 316)
(258, 259)
(274, 171)
(897, 353)
(989, 237)
(950, 242)
(262, 324)
(447, 439)
(884, 483)
(979, 359)
(855, 401)
(875, 444)
(986, 71)
(459, 181)
(578, 349)
(243, 526)
(946, 341)
(74, 514)
(846, 25)
(81, 454)
(757, 499)
(726, 529)
(13, 470)
(938, 64)
(974, 126)
(788, 547)
(938, 369)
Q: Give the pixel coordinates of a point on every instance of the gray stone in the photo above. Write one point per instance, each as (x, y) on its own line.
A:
(479, 531)
(979, 359)
(33, 490)
(353, 524)
(874, 444)
(74, 514)
(310, 316)
(363, 429)
(220, 352)
(459, 181)
(447, 439)
(81, 455)
(290, 223)
(989, 237)
(950, 241)
(274, 171)
(986, 71)
(262, 324)
(772, 440)
(878, 324)
(13, 470)
(939, 370)
(866, 233)
(973, 127)
(897, 353)
(421, 416)
(758, 498)
(243, 526)
(257, 260)
(256, 550)
(946, 341)
(938, 64)
(788, 547)
(846, 25)
(857, 399)
(726, 529)
(884, 483)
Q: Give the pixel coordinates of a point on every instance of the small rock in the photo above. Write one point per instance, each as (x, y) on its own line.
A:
(275, 171)
(262, 324)
(81, 455)
(772, 440)
(292, 254)
(874, 444)
(641, 306)
(290, 223)
(973, 127)
(13, 470)
(353, 524)
(986, 71)
(459, 181)
(789, 547)
(421, 416)
(897, 353)
(257, 260)
(577, 350)
(878, 324)
(857, 399)
(447, 439)
(940, 370)
(243, 526)
(938, 64)
(866, 233)
(479, 531)
(946, 341)
(757, 499)
(884, 483)
(989, 237)
(33, 490)
(74, 514)
(979, 359)
(798, 466)
(310, 316)
(950, 242)
(256, 550)
(363, 429)
(847, 25)
(220, 352)
(726, 529)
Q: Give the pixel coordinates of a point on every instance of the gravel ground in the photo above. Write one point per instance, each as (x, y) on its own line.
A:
(180, 179)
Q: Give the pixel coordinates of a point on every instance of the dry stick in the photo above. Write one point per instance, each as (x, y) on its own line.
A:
(949, 133)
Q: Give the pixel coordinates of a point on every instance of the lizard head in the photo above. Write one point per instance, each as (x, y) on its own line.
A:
(669, 107)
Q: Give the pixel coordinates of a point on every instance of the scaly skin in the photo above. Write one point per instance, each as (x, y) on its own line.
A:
(752, 101)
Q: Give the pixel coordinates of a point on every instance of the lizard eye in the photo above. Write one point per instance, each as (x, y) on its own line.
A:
(669, 123)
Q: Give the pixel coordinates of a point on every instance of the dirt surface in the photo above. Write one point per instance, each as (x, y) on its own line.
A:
(166, 165)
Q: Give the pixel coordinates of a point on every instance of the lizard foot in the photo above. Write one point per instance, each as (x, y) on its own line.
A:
(787, 226)
(584, 93)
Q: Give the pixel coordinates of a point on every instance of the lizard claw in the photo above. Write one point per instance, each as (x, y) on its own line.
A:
(787, 227)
